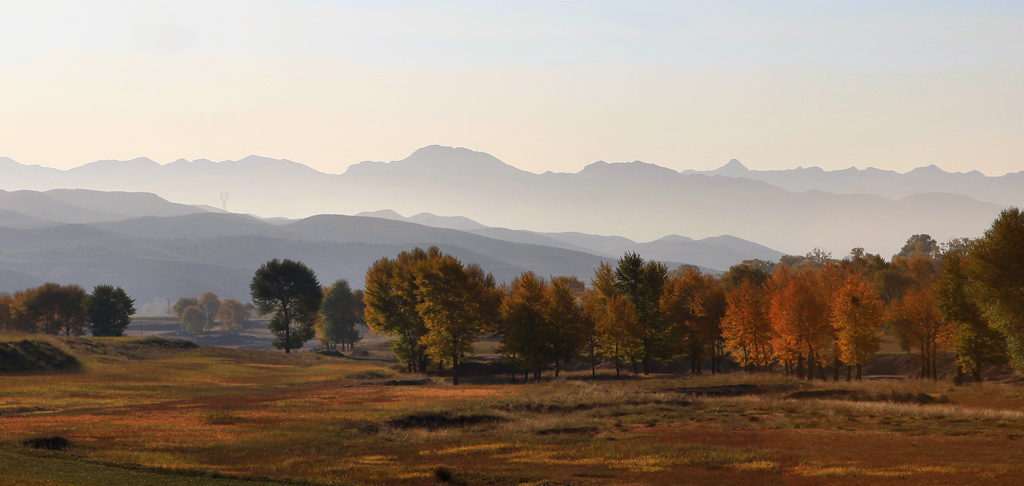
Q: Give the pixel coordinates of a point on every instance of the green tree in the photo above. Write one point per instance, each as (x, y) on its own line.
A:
(996, 274)
(291, 292)
(108, 310)
(340, 316)
(920, 246)
(210, 304)
(976, 343)
(641, 283)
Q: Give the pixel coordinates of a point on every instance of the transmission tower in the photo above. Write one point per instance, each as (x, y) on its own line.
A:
(224, 201)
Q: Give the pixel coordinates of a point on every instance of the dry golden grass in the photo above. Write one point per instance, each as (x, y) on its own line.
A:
(333, 420)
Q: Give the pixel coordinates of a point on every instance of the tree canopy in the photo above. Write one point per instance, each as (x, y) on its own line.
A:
(290, 291)
(108, 310)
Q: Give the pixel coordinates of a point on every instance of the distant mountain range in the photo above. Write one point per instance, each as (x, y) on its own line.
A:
(156, 249)
(1005, 190)
(793, 211)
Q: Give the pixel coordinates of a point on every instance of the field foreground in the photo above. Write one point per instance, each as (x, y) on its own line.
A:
(147, 412)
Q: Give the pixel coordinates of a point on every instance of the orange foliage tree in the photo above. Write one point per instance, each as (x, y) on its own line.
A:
(916, 320)
(746, 328)
(800, 317)
(857, 315)
(694, 305)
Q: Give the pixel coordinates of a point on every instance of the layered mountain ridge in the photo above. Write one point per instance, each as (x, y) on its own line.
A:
(157, 249)
(792, 210)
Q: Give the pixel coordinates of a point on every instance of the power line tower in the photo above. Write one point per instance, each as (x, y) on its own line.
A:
(224, 201)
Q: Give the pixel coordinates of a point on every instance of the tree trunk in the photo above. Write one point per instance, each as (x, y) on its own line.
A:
(800, 366)
(858, 372)
(835, 368)
(849, 372)
(456, 368)
(593, 364)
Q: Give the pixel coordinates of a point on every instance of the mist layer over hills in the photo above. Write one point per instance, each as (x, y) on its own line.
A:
(178, 250)
(792, 211)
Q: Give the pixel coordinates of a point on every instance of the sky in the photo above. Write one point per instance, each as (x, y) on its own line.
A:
(543, 85)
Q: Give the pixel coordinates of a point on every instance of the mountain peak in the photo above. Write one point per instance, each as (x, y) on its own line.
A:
(929, 169)
(733, 168)
(438, 161)
(674, 239)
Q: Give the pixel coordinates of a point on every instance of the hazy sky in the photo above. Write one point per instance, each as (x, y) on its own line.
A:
(543, 85)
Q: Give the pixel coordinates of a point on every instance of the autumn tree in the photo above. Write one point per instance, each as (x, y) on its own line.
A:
(210, 304)
(340, 316)
(183, 303)
(799, 314)
(694, 304)
(917, 321)
(614, 318)
(976, 343)
(456, 303)
(641, 283)
(52, 309)
(747, 328)
(108, 310)
(6, 312)
(523, 326)
(857, 315)
(590, 346)
(564, 311)
(232, 315)
(614, 331)
(391, 301)
(291, 292)
(193, 319)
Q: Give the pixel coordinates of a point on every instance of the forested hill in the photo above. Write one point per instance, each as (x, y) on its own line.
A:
(789, 210)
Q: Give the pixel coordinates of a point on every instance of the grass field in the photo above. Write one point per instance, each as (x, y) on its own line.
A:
(143, 412)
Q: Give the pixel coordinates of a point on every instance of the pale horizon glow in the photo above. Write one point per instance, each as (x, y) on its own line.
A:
(542, 85)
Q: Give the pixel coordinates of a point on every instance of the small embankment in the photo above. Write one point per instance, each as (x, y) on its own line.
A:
(55, 353)
(35, 355)
(864, 396)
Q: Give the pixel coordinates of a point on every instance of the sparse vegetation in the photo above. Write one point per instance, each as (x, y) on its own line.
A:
(163, 410)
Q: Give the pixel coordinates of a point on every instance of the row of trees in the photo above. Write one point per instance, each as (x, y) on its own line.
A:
(67, 309)
(809, 315)
(202, 314)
